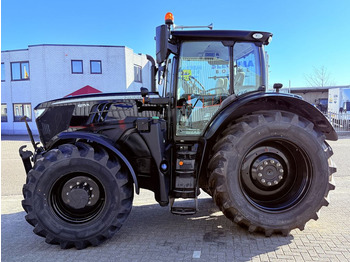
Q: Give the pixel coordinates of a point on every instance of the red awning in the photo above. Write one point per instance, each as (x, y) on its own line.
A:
(84, 91)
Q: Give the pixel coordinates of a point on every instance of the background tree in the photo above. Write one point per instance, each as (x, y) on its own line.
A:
(319, 77)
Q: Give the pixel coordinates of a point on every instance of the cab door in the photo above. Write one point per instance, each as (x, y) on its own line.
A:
(202, 84)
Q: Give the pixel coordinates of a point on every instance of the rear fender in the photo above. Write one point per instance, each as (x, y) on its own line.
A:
(235, 108)
(103, 141)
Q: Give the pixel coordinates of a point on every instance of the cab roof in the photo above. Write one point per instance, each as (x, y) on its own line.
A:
(233, 35)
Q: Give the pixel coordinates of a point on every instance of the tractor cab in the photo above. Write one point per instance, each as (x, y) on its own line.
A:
(203, 68)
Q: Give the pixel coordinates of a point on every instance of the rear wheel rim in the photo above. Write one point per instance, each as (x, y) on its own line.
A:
(275, 175)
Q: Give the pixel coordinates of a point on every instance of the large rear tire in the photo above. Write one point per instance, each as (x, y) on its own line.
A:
(270, 171)
(77, 195)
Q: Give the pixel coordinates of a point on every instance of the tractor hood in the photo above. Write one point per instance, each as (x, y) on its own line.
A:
(79, 112)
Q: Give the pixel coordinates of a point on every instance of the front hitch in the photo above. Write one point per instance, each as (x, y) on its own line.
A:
(26, 155)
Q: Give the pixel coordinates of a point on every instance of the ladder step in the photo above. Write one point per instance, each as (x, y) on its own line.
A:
(184, 193)
(184, 190)
(184, 210)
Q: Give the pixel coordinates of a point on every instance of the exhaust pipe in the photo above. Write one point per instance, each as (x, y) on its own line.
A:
(153, 73)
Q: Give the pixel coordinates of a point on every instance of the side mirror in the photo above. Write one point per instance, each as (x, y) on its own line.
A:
(162, 37)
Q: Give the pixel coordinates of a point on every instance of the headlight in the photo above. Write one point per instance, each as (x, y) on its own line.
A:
(258, 36)
(39, 112)
(269, 39)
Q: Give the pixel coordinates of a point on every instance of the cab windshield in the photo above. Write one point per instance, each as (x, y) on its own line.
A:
(204, 80)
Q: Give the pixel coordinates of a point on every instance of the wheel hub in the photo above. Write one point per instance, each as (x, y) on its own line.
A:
(80, 192)
(268, 172)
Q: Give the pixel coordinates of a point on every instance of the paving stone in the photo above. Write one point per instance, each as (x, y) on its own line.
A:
(151, 233)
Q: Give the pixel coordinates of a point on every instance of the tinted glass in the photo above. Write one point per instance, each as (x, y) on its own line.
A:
(247, 73)
(203, 83)
(168, 75)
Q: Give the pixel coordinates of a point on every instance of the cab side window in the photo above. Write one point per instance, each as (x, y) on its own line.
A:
(247, 73)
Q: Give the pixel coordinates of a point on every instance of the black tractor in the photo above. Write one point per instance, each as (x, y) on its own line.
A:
(261, 155)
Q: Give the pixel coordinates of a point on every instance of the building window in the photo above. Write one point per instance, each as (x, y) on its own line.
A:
(20, 71)
(77, 66)
(2, 72)
(3, 112)
(21, 110)
(95, 67)
(137, 73)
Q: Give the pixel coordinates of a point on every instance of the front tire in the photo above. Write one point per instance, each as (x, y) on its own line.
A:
(270, 172)
(77, 195)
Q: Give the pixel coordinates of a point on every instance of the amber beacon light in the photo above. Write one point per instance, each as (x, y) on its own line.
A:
(169, 18)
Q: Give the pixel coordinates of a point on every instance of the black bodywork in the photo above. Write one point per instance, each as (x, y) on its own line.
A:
(120, 122)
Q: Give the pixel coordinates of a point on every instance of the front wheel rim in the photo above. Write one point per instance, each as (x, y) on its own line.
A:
(77, 198)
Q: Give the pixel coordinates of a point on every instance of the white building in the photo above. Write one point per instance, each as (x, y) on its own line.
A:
(45, 72)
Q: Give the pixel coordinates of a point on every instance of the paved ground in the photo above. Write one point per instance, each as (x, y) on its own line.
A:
(151, 233)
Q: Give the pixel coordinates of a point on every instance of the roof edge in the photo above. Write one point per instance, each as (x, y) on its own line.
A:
(63, 45)
(14, 50)
(77, 45)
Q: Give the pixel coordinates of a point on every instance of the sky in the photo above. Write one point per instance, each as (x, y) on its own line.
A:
(307, 34)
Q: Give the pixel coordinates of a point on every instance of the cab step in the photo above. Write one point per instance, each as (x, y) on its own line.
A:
(189, 209)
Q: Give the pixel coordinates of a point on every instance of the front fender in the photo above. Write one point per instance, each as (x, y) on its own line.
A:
(103, 141)
(234, 108)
